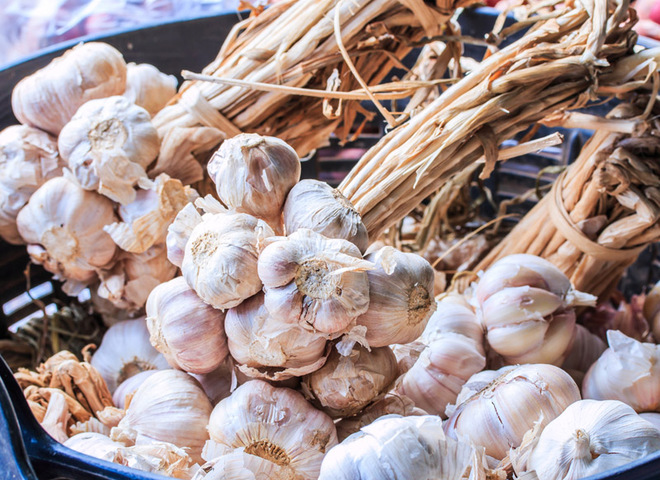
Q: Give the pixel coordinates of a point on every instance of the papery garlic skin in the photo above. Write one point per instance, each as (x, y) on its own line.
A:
(179, 231)
(628, 371)
(126, 389)
(148, 87)
(590, 437)
(238, 465)
(189, 332)
(498, 415)
(317, 206)
(48, 98)
(314, 281)
(95, 445)
(63, 227)
(28, 158)
(276, 424)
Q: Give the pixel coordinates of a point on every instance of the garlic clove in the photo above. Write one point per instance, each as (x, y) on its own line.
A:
(148, 87)
(125, 390)
(454, 314)
(179, 231)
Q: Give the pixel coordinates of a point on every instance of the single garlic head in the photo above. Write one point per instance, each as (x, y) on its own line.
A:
(219, 383)
(276, 424)
(108, 144)
(268, 349)
(123, 394)
(314, 281)
(63, 227)
(253, 174)
(317, 206)
(190, 333)
(628, 371)
(400, 297)
(28, 157)
(148, 87)
(220, 258)
(497, 415)
(584, 351)
(48, 98)
(125, 351)
(345, 385)
(652, 310)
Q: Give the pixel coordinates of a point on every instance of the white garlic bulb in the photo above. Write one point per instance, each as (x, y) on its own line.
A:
(63, 227)
(28, 157)
(220, 258)
(253, 174)
(219, 383)
(628, 371)
(108, 144)
(454, 314)
(584, 351)
(400, 297)
(276, 424)
(124, 392)
(497, 415)
(317, 206)
(179, 231)
(652, 417)
(268, 349)
(125, 351)
(148, 87)
(48, 98)
(314, 281)
(190, 333)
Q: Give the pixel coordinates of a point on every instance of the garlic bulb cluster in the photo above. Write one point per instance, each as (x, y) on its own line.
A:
(628, 371)
(148, 87)
(28, 157)
(190, 333)
(525, 304)
(48, 98)
(108, 144)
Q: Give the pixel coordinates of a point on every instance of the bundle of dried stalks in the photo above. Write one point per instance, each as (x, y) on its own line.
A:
(567, 57)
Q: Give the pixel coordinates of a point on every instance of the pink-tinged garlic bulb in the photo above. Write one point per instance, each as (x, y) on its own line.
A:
(400, 297)
(525, 303)
(454, 314)
(189, 332)
(28, 157)
(148, 87)
(268, 349)
(63, 227)
(253, 174)
(220, 258)
(628, 371)
(123, 394)
(48, 98)
(219, 383)
(584, 351)
(317, 206)
(316, 282)
(276, 424)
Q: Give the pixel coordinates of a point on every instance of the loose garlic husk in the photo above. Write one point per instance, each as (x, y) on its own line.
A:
(125, 351)
(63, 227)
(314, 281)
(585, 350)
(317, 206)
(108, 144)
(95, 445)
(345, 385)
(220, 258)
(652, 311)
(28, 158)
(628, 371)
(169, 406)
(179, 231)
(238, 465)
(125, 390)
(268, 349)
(148, 87)
(496, 416)
(190, 333)
(276, 424)
(400, 297)
(48, 98)
(253, 174)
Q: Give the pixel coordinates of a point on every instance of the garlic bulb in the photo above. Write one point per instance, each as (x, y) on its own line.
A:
(454, 314)
(347, 384)
(220, 258)
(400, 297)
(238, 465)
(48, 98)
(190, 333)
(28, 157)
(497, 415)
(169, 406)
(253, 174)
(406, 355)
(314, 281)
(125, 351)
(276, 424)
(125, 390)
(179, 231)
(584, 351)
(108, 144)
(148, 87)
(652, 310)
(219, 383)
(590, 437)
(63, 227)
(652, 417)
(628, 371)
(317, 206)
(268, 349)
